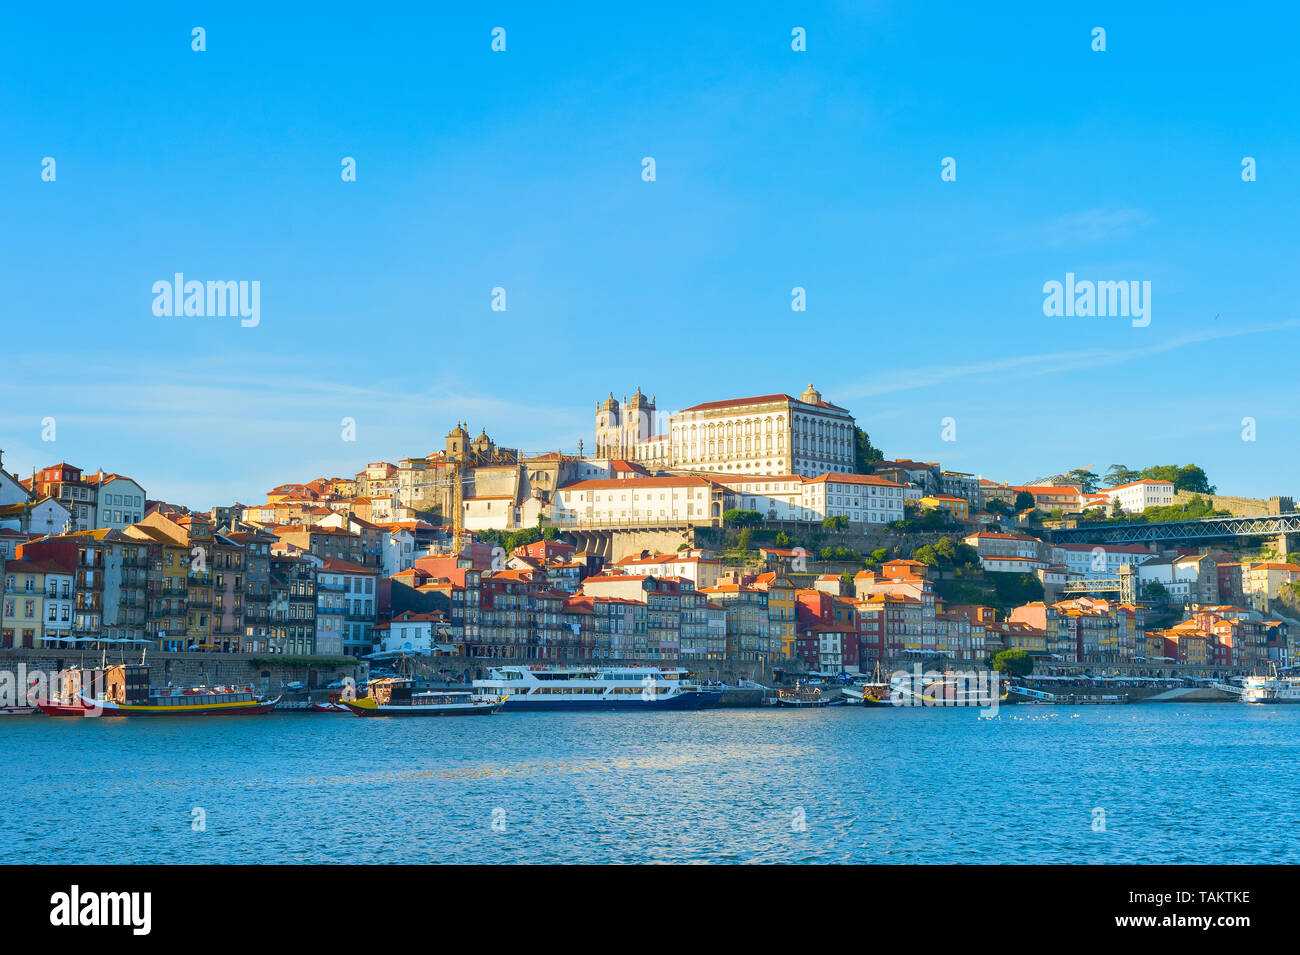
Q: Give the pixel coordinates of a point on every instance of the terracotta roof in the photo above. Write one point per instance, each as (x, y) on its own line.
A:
(852, 479)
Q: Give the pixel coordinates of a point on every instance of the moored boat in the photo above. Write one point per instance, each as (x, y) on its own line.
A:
(866, 694)
(396, 696)
(543, 687)
(329, 707)
(196, 701)
(802, 695)
(54, 708)
(1275, 688)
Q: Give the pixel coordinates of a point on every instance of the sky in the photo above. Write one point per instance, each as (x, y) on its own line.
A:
(523, 170)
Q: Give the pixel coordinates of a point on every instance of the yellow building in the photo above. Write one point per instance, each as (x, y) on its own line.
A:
(957, 507)
(22, 605)
(782, 612)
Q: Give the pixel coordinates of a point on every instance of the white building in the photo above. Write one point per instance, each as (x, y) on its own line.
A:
(991, 564)
(417, 632)
(704, 571)
(58, 602)
(1137, 496)
(640, 501)
(778, 497)
(764, 434)
(862, 498)
(991, 544)
(1179, 581)
(1099, 560)
(119, 501)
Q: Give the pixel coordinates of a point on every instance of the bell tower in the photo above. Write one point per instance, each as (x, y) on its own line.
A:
(609, 428)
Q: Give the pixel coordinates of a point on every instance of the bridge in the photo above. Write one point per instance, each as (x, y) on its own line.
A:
(1121, 589)
(1281, 526)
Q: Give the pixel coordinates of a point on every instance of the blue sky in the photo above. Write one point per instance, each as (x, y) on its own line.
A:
(522, 169)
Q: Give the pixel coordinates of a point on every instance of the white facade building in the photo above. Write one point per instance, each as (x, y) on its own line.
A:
(119, 501)
(765, 434)
(1099, 560)
(862, 498)
(1137, 496)
(640, 501)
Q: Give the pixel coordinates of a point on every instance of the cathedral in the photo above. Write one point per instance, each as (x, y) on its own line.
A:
(765, 434)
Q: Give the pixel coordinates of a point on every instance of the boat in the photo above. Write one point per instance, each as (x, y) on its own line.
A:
(18, 710)
(329, 707)
(60, 708)
(945, 689)
(554, 688)
(193, 701)
(396, 696)
(1273, 688)
(866, 694)
(802, 695)
(64, 696)
(863, 691)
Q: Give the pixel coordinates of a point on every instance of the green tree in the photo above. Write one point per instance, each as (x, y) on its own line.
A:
(1189, 477)
(738, 518)
(835, 522)
(1017, 663)
(1193, 480)
(1015, 589)
(1087, 480)
(744, 539)
(926, 554)
(1120, 474)
(1156, 590)
(782, 539)
(1024, 501)
(865, 455)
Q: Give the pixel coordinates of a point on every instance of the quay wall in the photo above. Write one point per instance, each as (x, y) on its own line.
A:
(193, 669)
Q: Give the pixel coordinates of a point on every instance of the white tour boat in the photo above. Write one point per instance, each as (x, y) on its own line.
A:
(1271, 689)
(596, 688)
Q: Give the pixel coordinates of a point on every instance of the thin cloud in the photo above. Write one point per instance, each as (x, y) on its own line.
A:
(1042, 364)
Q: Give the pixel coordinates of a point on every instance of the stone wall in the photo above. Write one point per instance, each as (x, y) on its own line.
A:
(190, 669)
(1240, 506)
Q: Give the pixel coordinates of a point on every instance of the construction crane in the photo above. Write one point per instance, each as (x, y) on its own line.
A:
(456, 482)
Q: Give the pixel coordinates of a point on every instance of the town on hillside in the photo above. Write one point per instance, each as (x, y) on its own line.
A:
(759, 535)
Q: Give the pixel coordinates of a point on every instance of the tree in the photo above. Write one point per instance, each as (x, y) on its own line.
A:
(1189, 477)
(865, 455)
(1087, 480)
(1192, 479)
(1024, 501)
(1017, 663)
(1116, 509)
(835, 522)
(744, 539)
(738, 518)
(926, 554)
(998, 507)
(1119, 474)
(1156, 590)
(782, 539)
(1013, 590)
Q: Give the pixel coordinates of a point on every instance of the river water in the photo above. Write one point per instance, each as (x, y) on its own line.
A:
(1156, 783)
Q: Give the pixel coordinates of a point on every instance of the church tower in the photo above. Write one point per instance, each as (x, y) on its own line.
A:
(638, 422)
(608, 428)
